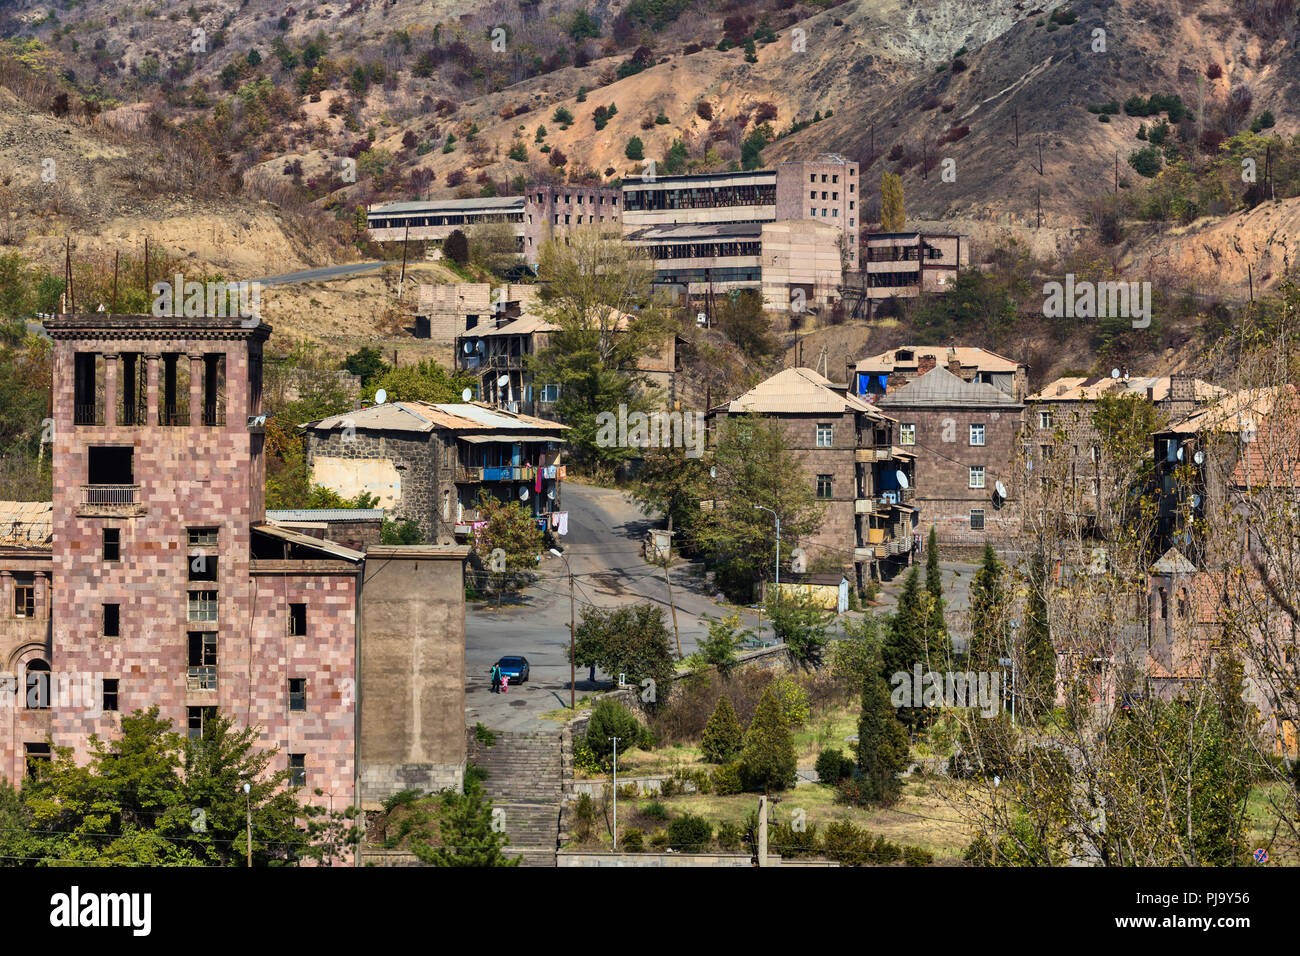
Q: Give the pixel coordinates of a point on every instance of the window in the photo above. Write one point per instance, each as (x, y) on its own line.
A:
(196, 718)
(812, 194)
(1044, 419)
(977, 519)
(203, 567)
(24, 596)
(297, 620)
(297, 693)
(977, 476)
(110, 694)
(37, 757)
(297, 770)
(977, 434)
(825, 436)
(203, 537)
(38, 685)
(907, 434)
(824, 486)
(550, 393)
(202, 606)
(112, 544)
(1164, 604)
(202, 674)
(112, 620)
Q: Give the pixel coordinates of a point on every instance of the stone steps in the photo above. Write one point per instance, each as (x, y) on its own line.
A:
(525, 781)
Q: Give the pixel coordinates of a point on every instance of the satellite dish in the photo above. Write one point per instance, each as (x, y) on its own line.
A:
(1000, 488)
(466, 395)
(1180, 452)
(713, 471)
(550, 493)
(1114, 373)
(1199, 458)
(902, 479)
(701, 318)
(523, 494)
(469, 348)
(503, 381)
(1196, 501)
(380, 397)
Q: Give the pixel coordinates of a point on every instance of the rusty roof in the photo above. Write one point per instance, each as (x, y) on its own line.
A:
(428, 416)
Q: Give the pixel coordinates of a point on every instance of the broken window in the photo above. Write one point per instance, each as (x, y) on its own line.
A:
(202, 606)
(38, 685)
(297, 620)
(202, 673)
(196, 719)
(297, 770)
(37, 757)
(297, 693)
(112, 620)
(202, 537)
(24, 595)
(203, 567)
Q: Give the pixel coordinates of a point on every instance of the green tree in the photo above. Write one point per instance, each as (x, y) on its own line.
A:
(988, 612)
(631, 641)
(725, 636)
(937, 640)
(882, 743)
(905, 641)
(741, 318)
(635, 149)
(583, 26)
(466, 834)
(1037, 693)
(507, 545)
(456, 247)
(493, 247)
(767, 760)
(801, 626)
(425, 381)
(672, 484)
(367, 362)
(892, 218)
(610, 720)
(723, 736)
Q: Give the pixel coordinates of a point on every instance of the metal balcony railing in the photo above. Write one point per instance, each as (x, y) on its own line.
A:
(110, 494)
(214, 414)
(174, 415)
(87, 415)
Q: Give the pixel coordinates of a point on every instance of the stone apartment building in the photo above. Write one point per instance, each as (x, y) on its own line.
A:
(161, 583)
(428, 462)
(445, 312)
(965, 436)
(853, 463)
(1062, 440)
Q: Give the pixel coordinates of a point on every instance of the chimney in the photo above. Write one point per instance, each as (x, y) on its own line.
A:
(925, 363)
(1181, 388)
(954, 365)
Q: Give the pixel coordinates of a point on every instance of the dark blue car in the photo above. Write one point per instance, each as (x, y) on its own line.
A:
(514, 668)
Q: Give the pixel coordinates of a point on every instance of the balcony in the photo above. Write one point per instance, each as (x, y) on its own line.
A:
(201, 679)
(110, 500)
(174, 415)
(872, 453)
(87, 415)
(214, 415)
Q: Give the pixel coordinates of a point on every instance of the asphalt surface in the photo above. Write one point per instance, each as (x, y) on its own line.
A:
(327, 272)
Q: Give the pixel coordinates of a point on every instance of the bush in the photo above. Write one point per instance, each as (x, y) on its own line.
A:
(659, 838)
(856, 792)
(690, 834)
(726, 780)
(632, 841)
(584, 759)
(1146, 161)
(728, 836)
(655, 810)
(704, 109)
(846, 843)
(519, 153)
(723, 736)
(610, 719)
(635, 149)
(916, 856)
(562, 116)
(794, 700)
(456, 247)
(832, 766)
(788, 841)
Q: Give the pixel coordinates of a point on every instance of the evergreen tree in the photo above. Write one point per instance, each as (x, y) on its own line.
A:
(891, 202)
(467, 836)
(904, 645)
(937, 642)
(988, 597)
(767, 761)
(723, 735)
(882, 743)
(1037, 692)
(456, 247)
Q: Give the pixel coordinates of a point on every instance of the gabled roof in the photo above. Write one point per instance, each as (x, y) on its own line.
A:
(799, 390)
(427, 417)
(1173, 562)
(1233, 412)
(939, 387)
(26, 523)
(970, 357)
(1077, 388)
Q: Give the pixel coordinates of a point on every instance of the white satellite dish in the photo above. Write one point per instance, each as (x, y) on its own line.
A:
(469, 347)
(1000, 488)
(550, 493)
(902, 479)
(380, 397)
(713, 471)
(503, 381)
(523, 494)
(1180, 452)
(1114, 373)
(1199, 458)
(466, 395)
(1196, 501)
(701, 318)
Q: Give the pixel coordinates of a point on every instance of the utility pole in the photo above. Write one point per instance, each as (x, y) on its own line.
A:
(401, 282)
(778, 546)
(671, 603)
(615, 739)
(573, 666)
(762, 830)
(248, 805)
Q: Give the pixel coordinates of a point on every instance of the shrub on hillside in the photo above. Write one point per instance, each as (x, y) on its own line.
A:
(723, 735)
(690, 834)
(832, 766)
(610, 719)
(767, 761)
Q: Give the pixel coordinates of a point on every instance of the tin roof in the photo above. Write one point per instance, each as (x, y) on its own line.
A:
(1076, 388)
(325, 514)
(427, 417)
(906, 358)
(799, 390)
(26, 523)
(492, 203)
(939, 387)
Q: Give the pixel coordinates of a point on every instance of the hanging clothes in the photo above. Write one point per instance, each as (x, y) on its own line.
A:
(561, 521)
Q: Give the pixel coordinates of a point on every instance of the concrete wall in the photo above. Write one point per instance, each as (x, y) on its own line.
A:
(412, 671)
(801, 255)
(824, 191)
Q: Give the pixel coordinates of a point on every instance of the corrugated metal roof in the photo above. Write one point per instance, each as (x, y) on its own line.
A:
(796, 390)
(494, 203)
(307, 541)
(426, 416)
(1076, 388)
(686, 231)
(970, 357)
(524, 325)
(939, 387)
(26, 522)
(325, 514)
(1233, 412)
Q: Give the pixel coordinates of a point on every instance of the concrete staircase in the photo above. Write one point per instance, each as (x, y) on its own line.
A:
(524, 780)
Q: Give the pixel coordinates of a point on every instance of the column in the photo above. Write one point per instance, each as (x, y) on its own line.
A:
(151, 388)
(110, 389)
(196, 388)
(43, 601)
(6, 594)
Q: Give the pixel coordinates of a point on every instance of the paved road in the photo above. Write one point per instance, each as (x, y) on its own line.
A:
(603, 548)
(327, 272)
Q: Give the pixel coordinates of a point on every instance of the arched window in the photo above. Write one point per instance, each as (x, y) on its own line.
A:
(38, 685)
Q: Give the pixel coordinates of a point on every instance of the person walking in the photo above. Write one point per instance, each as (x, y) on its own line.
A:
(496, 678)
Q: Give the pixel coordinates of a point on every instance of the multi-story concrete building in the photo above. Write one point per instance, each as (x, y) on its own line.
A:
(905, 264)
(437, 219)
(428, 463)
(550, 212)
(853, 463)
(163, 584)
(880, 374)
(965, 436)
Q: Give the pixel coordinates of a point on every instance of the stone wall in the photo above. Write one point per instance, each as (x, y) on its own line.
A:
(360, 456)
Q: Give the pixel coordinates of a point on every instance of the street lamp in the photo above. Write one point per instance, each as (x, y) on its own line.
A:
(573, 673)
(1011, 662)
(778, 544)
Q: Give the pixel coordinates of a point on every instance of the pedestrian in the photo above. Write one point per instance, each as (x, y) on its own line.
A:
(496, 677)
(505, 683)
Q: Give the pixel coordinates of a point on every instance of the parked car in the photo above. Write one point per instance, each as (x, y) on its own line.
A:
(514, 668)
